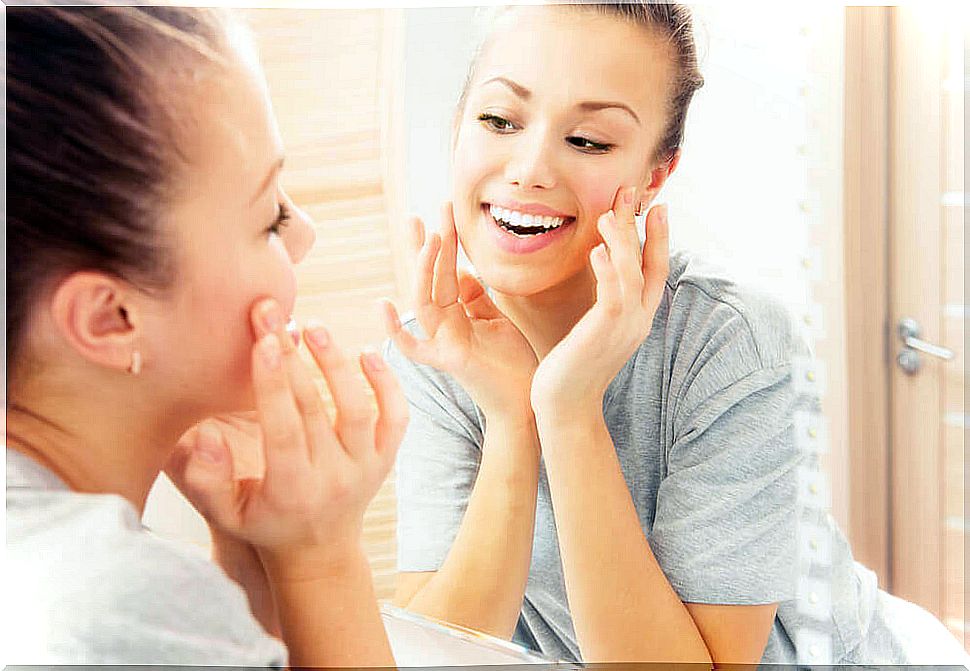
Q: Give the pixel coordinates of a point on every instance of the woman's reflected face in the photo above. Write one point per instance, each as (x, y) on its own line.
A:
(565, 107)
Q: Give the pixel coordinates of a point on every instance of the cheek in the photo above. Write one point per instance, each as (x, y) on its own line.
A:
(282, 278)
(595, 192)
(474, 160)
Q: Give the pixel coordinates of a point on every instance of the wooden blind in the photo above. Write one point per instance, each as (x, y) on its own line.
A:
(327, 73)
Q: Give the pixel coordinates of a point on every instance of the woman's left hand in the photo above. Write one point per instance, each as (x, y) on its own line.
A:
(629, 286)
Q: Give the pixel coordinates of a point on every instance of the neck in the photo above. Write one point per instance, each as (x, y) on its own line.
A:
(547, 316)
(115, 441)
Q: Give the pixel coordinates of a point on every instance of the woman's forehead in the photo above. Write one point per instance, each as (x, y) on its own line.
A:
(576, 54)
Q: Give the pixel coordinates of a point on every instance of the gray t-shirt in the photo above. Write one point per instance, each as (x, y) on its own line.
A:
(701, 417)
(85, 583)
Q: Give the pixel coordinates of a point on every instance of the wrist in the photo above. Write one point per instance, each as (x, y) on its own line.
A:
(571, 414)
(313, 563)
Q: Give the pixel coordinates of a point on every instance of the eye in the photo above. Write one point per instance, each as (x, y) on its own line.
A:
(496, 123)
(587, 145)
(282, 218)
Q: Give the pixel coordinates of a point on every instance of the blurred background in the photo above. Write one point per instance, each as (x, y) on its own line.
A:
(823, 162)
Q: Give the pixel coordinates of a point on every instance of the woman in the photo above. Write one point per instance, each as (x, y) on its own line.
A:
(139, 141)
(600, 459)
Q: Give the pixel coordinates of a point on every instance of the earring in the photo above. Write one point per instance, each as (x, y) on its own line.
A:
(135, 366)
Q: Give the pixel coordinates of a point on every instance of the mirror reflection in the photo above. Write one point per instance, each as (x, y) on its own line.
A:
(612, 334)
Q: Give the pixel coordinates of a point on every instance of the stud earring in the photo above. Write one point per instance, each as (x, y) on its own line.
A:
(135, 367)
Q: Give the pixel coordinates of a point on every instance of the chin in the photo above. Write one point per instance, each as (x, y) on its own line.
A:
(520, 281)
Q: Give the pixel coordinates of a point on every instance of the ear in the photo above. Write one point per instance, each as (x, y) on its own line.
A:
(94, 313)
(655, 179)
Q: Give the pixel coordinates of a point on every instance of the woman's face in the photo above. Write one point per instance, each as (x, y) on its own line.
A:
(231, 245)
(566, 107)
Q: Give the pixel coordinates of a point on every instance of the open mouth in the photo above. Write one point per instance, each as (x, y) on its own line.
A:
(524, 225)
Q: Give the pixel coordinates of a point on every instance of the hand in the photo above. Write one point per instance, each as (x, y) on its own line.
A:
(241, 434)
(629, 287)
(318, 476)
(468, 336)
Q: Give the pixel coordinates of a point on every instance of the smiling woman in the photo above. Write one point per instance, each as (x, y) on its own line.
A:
(602, 460)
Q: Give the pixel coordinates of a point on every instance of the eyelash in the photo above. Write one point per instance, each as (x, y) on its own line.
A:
(282, 220)
(491, 121)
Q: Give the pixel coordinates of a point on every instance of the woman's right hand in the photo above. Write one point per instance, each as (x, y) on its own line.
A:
(468, 336)
(319, 477)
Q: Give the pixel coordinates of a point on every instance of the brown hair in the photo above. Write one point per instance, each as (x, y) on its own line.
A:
(673, 23)
(92, 154)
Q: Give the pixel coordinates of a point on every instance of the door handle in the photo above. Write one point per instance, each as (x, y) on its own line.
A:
(909, 358)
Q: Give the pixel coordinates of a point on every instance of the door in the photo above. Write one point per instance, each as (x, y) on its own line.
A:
(904, 254)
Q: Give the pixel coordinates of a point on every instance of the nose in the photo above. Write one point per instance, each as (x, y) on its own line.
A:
(530, 165)
(302, 235)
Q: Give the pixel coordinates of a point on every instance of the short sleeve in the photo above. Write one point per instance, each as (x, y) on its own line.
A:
(437, 462)
(726, 519)
(90, 586)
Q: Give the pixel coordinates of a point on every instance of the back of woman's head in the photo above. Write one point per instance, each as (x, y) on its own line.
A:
(92, 150)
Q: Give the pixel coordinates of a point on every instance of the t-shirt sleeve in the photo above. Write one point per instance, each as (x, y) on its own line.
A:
(437, 461)
(187, 612)
(726, 518)
(90, 586)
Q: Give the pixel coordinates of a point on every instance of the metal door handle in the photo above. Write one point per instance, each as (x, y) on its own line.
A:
(909, 334)
(908, 359)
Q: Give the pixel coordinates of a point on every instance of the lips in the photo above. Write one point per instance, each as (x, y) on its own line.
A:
(509, 240)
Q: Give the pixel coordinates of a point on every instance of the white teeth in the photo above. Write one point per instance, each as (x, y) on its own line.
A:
(519, 219)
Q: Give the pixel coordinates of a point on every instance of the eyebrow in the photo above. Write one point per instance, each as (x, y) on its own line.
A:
(586, 105)
(277, 166)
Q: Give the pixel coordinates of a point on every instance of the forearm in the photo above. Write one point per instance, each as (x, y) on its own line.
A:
(327, 608)
(622, 605)
(241, 563)
(482, 581)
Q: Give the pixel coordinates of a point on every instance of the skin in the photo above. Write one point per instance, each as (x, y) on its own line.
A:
(593, 289)
(295, 530)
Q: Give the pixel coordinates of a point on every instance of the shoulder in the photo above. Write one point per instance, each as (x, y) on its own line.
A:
(719, 336)
(81, 568)
(706, 309)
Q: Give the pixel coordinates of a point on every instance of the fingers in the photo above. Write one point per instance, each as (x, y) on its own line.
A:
(245, 450)
(354, 423)
(478, 304)
(618, 228)
(608, 292)
(424, 274)
(445, 268)
(392, 407)
(624, 205)
(201, 468)
(415, 236)
(282, 425)
(656, 257)
(413, 348)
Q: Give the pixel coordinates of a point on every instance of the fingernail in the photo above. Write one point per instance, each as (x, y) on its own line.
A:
(208, 446)
(293, 331)
(373, 360)
(269, 314)
(317, 333)
(269, 347)
(628, 193)
(663, 214)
